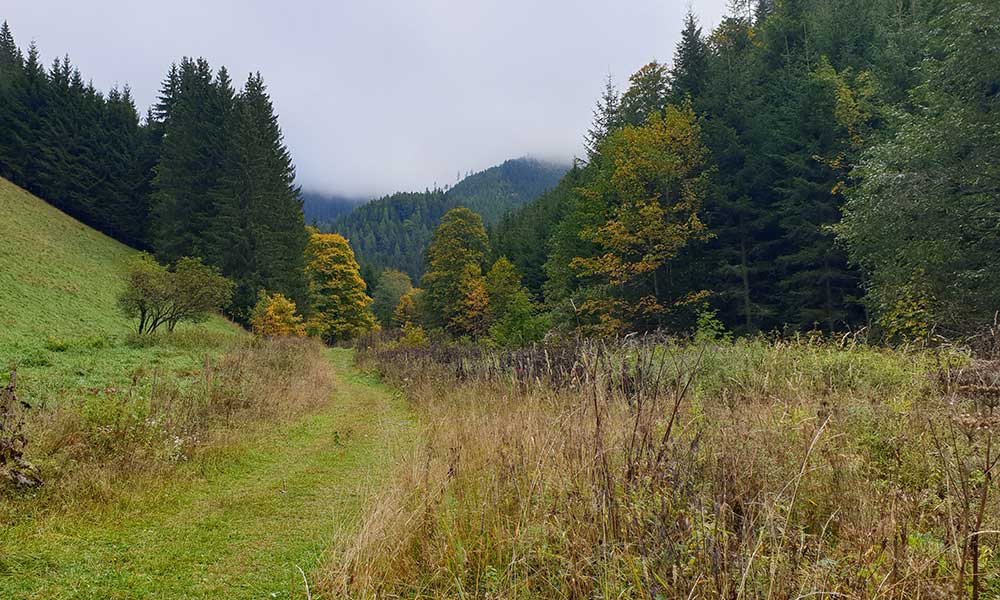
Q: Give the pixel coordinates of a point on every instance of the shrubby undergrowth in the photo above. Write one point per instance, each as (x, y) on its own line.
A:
(650, 468)
(90, 439)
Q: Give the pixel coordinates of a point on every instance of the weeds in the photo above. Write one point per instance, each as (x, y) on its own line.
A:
(13, 440)
(647, 468)
(105, 434)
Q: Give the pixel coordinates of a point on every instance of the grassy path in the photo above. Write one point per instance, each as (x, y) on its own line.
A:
(238, 526)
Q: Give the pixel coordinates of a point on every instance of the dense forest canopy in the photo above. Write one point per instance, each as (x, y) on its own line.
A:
(204, 174)
(882, 109)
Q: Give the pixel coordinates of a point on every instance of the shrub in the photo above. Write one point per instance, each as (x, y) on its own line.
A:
(414, 335)
(56, 344)
(156, 296)
(275, 316)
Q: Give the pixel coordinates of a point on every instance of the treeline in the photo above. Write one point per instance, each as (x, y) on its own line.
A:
(394, 231)
(464, 291)
(721, 182)
(205, 174)
(320, 208)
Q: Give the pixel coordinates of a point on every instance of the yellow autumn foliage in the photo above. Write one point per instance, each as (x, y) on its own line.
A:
(275, 316)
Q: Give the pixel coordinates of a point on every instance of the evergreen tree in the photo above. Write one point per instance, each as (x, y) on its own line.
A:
(739, 259)
(257, 234)
(607, 118)
(195, 110)
(690, 69)
(13, 128)
(525, 235)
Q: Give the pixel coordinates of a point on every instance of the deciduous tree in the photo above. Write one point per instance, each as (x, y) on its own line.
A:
(340, 306)
(456, 295)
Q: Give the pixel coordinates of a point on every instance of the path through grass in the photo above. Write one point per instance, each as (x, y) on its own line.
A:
(236, 525)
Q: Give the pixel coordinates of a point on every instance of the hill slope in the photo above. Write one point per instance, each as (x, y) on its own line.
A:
(325, 208)
(57, 276)
(59, 322)
(394, 231)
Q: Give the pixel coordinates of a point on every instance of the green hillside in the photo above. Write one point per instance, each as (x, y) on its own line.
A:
(58, 320)
(394, 231)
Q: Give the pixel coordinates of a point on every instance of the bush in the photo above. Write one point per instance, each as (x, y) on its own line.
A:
(275, 316)
(56, 344)
(156, 296)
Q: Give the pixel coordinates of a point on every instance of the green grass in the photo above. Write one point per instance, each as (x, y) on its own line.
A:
(235, 520)
(59, 324)
(236, 523)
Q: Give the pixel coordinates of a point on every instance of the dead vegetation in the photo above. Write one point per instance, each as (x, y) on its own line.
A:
(648, 469)
(87, 444)
(13, 466)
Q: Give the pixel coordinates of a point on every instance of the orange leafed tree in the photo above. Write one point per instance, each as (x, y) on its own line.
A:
(276, 316)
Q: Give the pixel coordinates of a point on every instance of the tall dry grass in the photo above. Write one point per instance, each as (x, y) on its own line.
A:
(89, 443)
(752, 469)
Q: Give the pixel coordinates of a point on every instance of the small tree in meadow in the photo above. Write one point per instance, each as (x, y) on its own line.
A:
(197, 290)
(406, 311)
(275, 316)
(516, 321)
(156, 296)
(145, 294)
(392, 286)
(455, 295)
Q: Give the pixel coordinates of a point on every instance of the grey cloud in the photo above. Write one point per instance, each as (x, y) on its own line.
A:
(384, 95)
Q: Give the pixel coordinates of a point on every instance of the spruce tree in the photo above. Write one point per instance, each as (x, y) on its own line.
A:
(12, 110)
(690, 69)
(195, 111)
(258, 234)
(607, 118)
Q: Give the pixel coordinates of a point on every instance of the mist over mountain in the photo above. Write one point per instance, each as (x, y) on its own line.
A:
(320, 207)
(393, 231)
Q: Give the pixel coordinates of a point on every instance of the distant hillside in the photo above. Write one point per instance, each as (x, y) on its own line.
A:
(393, 231)
(499, 190)
(325, 208)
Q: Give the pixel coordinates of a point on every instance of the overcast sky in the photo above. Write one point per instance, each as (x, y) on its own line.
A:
(376, 96)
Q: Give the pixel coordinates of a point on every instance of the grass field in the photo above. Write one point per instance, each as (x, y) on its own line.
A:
(752, 468)
(237, 522)
(59, 324)
(197, 464)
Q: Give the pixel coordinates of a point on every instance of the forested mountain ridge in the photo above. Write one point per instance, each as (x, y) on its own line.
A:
(499, 190)
(393, 231)
(324, 208)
